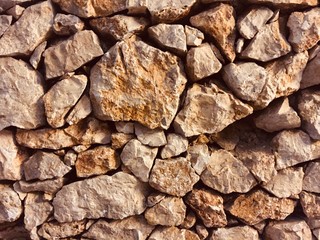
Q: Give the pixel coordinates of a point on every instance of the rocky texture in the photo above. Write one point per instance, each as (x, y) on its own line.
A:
(244, 232)
(189, 220)
(310, 204)
(125, 127)
(311, 180)
(37, 54)
(310, 75)
(52, 230)
(199, 156)
(171, 233)
(287, 3)
(110, 93)
(66, 25)
(10, 204)
(16, 11)
(47, 186)
(5, 21)
(119, 140)
(175, 146)
(80, 111)
(194, 37)
(150, 137)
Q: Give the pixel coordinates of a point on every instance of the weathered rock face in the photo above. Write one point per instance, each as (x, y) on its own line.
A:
(311, 180)
(311, 75)
(175, 146)
(80, 111)
(37, 54)
(194, 37)
(51, 230)
(172, 233)
(287, 3)
(199, 156)
(310, 204)
(150, 137)
(244, 232)
(47, 186)
(66, 25)
(10, 204)
(5, 21)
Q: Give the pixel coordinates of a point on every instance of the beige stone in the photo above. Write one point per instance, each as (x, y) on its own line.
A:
(80, 111)
(125, 127)
(5, 22)
(227, 174)
(198, 155)
(173, 233)
(47, 186)
(66, 25)
(224, 32)
(208, 206)
(228, 138)
(175, 146)
(137, 6)
(304, 29)
(5, 5)
(311, 73)
(138, 158)
(257, 206)
(241, 232)
(143, 84)
(150, 137)
(189, 220)
(10, 204)
(310, 204)
(155, 198)
(202, 231)
(26, 34)
(194, 37)
(311, 180)
(56, 230)
(37, 54)
(170, 211)
(178, 171)
(287, 3)
(202, 62)
(21, 90)
(17, 189)
(70, 158)
(119, 140)
(16, 11)
(71, 54)
(208, 109)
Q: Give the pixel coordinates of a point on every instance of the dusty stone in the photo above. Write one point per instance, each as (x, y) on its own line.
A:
(239, 45)
(10, 204)
(43, 165)
(80, 111)
(47, 186)
(5, 22)
(310, 204)
(155, 198)
(138, 158)
(126, 196)
(202, 231)
(26, 34)
(251, 23)
(173, 233)
(19, 108)
(125, 127)
(170, 211)
(86, 132)
(208, 206)
(16, 11)
(179, 171)
(169, 36)
(71, 54)
(150, 137)
(189, 220)
(228, 138)
(119, 140)
(291, 147)
(289, 229)
(218, 110)
(309, 110)
(224, 32)
(87, 9)
(304, 29)
(235, 178)
(245, 79)
(311, 180)
(67, 24)
(202, 62)
(56, 230)
(311, 73)
(243, 232)
(119, 26)
(37, 54)
(268, 44)
(175, 146)
(70, 158)
(278, 116)
(257, 206)
(194, 37)
(198, 155)
(96, 161)
(153, 105)
(287, 3)
(135, 227)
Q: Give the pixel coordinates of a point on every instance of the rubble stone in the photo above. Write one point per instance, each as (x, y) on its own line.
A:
(194, 36)
(173, 233)
(66, 25)
(119, 140)
(310, 204)
(56, 230)
(311, 180)
(80, 111)
(198, 155)
(311, 73)
(5, 22)
(37, 54)
(243, 232)
(10, 204)
(175, 146)
(150, 137)
(47, 186)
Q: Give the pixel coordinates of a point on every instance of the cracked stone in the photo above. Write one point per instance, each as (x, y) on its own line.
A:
(37, 54)
(198, 155)
(5, 22)
(80, 111)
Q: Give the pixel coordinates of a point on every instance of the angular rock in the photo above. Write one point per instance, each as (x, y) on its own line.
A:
(150, 137)
(70, 158)
(169, 36)
(218, 110)
(251, 23)
(125, 127)
(268, 44)
(189, 220)
(138, 158)
(179, 171)
(198, 155)
(202, 62)
(155, 198)
(227, 174)
(173, 233)
(37, 54)
(304, 29)
(126, 196)
(170, 211)
(194, 37)
(245, 79)
(96, 161)
(228, 138)
(87, 8)
(26, 34)
(311, 73)
(5, 22)
(310, 204)
(19, 108)
(202, 231)
(135, 227)
(175, 146)
(71, 54)
(119, 140)
(208, 206)
(43, 165)
(121, 76)
(224, 32)
(311, 180)
(309, 110)
(56, 230)
(5, 5)
(66, 25)
(257, 206)
(16, 11)
(80, 111)
(243, 232)
(287, 3)
(10, 204)
(47, 186)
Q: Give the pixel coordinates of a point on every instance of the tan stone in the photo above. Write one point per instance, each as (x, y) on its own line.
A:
(202, 231)
(26, 34)
(80, 111)
(5, 5)
(178, 171)
(96, 161)
(16, 11)
(175, 146)
(243, 232)
(37, 54)
(143, 84)
(310, 204)
(172, 233)
(287, 3)
(228, 138)
(311, 180)
(5, 22)
(224, 32)
(155, 198)
(119, 140)
(170, 211)
(189, 220)
(194, 36)
(208, 206)
(208, 109)
(150, 137)
(125, 127)
(10, 204)
(257, 206)
(71, 54)
(70, 158)
(311, 73)
(66, 25)
(56, 230)
(198, 155)
(47, 186)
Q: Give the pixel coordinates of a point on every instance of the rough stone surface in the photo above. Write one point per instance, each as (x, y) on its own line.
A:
(175, 146)
(150, 137)
(227, 174)
(119, 140)
(257, 206)
(194, 36)
(170, 211)
(243, 232)
(173, 233)
(287, 3)
(224, 32)
(19, 108)
(37, 54)
(311, 180)
(5, 22)
(47, 186)
(208, 206)
(56, 230)
(126, 196)
(66, 25)
(179, 171)
(16, 11)
(153, 105)
(208, 110)
(310, 204)
(189, 221)
(125, 127)
(71, 54)
(10, 204)
(311, 73)
(80, 111)
(198, 155)
(26, 34)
